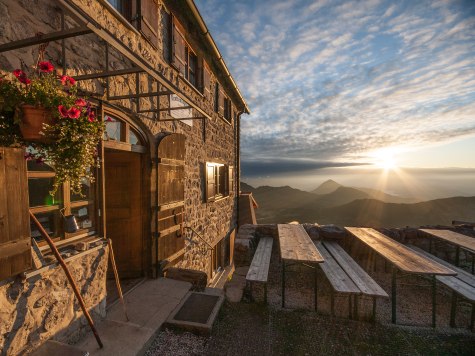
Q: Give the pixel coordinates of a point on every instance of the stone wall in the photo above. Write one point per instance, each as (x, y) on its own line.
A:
(215, 142)
(42, 306)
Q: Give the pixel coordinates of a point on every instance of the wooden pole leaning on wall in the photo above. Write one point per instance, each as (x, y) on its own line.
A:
(116, 276)
(56, 253)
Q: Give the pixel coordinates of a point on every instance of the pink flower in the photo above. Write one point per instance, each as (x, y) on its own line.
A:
(67, 80)
(74, 113)
(108, 119)
(80, 102)
(63, 111)
(46, 67)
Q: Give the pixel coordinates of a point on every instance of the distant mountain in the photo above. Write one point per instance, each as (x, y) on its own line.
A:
(329, 186)
(352, 206)
(387, 198)
(246, 188)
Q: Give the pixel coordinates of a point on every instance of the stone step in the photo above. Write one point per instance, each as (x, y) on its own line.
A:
(53, 348)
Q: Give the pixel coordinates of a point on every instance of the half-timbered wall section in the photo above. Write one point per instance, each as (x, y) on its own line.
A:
(172, 110)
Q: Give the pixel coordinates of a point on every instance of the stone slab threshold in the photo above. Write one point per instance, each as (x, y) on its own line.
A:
(148, 306)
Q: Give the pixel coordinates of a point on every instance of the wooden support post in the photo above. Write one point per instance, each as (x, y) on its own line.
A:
(393, 295)
(453, 309)
(434, 301)
(116, 276)
(355, 311)
(265, 293)
(283, 284)
(56, 253)
(315, 286)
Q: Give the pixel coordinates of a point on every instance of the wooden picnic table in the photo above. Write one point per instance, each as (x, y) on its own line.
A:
(454, 238)
(402, 258)
(297, 247)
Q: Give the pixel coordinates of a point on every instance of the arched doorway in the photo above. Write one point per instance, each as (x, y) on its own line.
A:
(124, 193)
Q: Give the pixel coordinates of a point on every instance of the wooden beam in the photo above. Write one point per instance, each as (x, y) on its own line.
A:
(140, 95)
(48, 37)
(109, 73)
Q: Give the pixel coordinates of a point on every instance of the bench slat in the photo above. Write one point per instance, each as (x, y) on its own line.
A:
(398, 254)
(337, 277)
(459, 286)
(363, 280)
(259, 269)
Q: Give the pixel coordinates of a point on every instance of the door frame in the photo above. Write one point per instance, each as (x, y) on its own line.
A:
(144, 150)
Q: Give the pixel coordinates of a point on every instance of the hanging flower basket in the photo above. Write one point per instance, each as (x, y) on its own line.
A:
(31, 122)
(45, 112)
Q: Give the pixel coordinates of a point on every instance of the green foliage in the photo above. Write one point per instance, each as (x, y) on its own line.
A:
(74, 133)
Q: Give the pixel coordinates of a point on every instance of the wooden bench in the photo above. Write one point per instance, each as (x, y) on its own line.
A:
(259, 269)
(347, 277)
(463, 284)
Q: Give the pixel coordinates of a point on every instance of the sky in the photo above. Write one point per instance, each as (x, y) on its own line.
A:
(344, 83)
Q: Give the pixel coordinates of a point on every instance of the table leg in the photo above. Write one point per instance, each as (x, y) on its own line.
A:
(265, 293)
(315, 286)
(350, 306)
(457, 256)
(472, 322)
(332, 302)
(355, 316)
(393, 294)
(434, 300)
(473, 263)
(453, 309)
(374, 309)
(431, 244)
(283, 284)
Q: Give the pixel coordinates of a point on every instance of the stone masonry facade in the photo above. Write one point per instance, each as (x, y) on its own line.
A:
(28, 317)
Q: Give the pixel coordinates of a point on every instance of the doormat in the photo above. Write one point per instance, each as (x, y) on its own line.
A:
(197, 311)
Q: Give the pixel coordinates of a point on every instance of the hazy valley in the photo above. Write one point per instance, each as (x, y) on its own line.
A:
(332, 203)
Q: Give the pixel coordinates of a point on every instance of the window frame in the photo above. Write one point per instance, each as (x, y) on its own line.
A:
(220, 181)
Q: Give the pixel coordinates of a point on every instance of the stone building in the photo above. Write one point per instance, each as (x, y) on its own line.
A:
(167, 190)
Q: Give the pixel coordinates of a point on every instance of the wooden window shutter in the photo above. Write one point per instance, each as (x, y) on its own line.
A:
(15, 240)
(210, 182)
(221, 102)
(178, 46)
(230, 180)
(147, 20)
(206, 80)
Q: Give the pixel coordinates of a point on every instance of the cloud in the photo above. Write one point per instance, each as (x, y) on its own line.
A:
(335, 80)
(278, 166)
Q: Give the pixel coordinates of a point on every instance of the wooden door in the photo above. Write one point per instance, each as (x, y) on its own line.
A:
(171, 196)
(123, 203)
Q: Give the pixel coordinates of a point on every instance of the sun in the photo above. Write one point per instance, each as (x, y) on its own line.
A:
(385, 160)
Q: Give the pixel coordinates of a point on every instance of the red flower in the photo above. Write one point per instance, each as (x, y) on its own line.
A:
(21, 75)
(91, 117)
(80, 102)
(63, 111)
(18, 72)
(67, 80)
(74, 113)
(46, 67)
(108, 119)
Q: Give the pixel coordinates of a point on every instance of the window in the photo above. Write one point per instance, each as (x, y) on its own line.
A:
(49, 210)
(217, 180)
(122, 6)
(120, 132)
(184, 59)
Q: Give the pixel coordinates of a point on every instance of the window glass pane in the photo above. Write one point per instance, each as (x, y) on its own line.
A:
(133, 137)
(86, 190)
(36, 165)
(51, 222)
(38, 189)
(84, 216)
(113, 128)
(192, 68)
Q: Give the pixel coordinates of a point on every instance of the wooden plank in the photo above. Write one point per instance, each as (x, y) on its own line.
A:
(296, 245)
(164, 207)
(461, 274)
(340, 281)
(459, 286)
(259, 269)
(464, 241)
(399, 255)
(363, 280)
